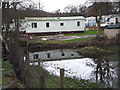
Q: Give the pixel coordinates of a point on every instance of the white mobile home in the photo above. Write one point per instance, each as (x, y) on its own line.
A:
(105, 20)
(53, 25)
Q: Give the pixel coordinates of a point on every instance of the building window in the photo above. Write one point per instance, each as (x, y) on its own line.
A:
(108, 19)
(63, 54)
(34, 25)
(78, 23)
(47, 24)
(35, 56)
(48, 55)
(72, 54)
(61, 24)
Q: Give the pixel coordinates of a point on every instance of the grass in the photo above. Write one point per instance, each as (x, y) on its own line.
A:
(89, 32)
(79, 39)
(72, 82)
(7, 68)
(66, 41)
(52, 81)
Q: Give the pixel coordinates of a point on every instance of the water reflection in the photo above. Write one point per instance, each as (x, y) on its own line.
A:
(54, 54)
(106, 72)
(96, 70)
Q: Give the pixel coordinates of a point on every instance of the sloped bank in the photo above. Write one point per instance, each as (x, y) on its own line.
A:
(78, 44)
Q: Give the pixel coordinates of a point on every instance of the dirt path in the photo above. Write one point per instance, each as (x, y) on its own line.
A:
(57, 38)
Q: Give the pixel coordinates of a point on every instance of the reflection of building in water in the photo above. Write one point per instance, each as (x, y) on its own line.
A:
(53, 55)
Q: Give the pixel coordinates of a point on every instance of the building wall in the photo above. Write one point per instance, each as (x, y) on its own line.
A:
(54, 55)
(54, 26)
(111, 33)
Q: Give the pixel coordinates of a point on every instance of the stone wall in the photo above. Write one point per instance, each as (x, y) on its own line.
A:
(111, 33)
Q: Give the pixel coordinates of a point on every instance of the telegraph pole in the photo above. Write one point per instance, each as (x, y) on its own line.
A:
(39, 5)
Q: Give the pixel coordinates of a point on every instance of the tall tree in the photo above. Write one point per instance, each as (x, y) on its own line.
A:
(70, 9)
(98, 16)
(100, 8)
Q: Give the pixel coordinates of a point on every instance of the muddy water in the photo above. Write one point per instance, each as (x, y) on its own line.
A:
(96, 70)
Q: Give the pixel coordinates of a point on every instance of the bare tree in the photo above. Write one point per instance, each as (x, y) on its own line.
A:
(82, 9)
(70, 9)
(57, 11)
(99, 8)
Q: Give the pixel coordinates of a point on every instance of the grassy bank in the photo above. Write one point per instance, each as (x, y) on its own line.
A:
(9, 79)
(52, 81)
(69, 82)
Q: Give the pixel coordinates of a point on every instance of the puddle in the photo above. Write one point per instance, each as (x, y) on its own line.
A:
(98, 70)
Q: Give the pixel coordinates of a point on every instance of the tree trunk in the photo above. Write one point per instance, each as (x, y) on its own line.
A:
(98, 18)
(98, 30)
(6, 32)
(16, 18)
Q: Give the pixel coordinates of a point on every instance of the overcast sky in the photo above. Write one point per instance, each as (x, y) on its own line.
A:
(52, 5)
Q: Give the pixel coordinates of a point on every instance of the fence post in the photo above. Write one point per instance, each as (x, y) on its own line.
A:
(61, 78)
(42, 81)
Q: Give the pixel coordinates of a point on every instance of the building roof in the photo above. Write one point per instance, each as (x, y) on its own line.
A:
(54, 18)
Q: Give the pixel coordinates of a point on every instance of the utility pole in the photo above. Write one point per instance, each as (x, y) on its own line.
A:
(39, 5)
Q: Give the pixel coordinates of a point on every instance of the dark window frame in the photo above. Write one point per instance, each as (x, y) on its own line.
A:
(34, 25)
(47, 24)
(72, 54)
(35, 56)
(48, 55)
(62, 54)
(78, 23)
(61, 24)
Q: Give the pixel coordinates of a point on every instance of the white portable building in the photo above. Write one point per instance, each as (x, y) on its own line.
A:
(53, 25)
